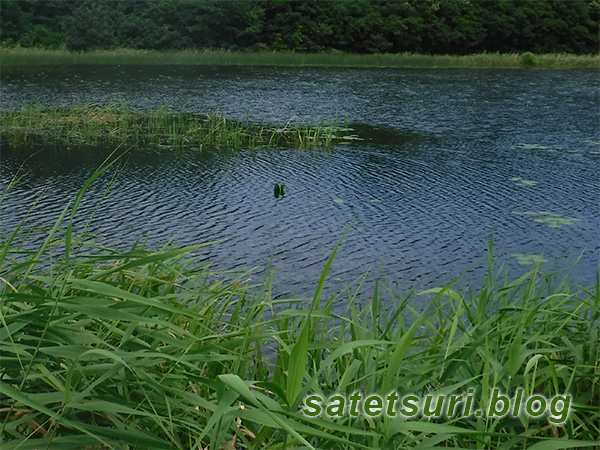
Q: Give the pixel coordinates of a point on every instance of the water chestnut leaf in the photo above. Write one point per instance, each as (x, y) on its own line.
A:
(553, 220)
(528, 260)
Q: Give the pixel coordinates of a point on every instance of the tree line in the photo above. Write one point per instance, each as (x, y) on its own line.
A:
(357, 26)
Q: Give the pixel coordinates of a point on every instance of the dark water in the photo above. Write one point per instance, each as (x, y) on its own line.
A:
(424, 191)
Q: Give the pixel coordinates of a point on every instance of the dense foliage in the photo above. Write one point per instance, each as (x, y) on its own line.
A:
(362, 26)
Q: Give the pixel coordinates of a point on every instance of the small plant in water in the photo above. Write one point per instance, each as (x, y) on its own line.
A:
(278, 190)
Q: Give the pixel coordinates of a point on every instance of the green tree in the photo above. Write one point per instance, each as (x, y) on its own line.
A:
(93, 25)
(15, 22)
(364, 26)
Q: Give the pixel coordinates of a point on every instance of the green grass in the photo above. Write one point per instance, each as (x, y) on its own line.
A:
(35, 56)
(93, 124)
(149, 349)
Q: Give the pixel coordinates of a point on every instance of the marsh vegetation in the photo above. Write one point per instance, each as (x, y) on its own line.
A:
(117, 122)
(41, 57)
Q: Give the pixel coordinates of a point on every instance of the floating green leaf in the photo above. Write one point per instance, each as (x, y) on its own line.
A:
(527, 183)
(277, 190)
(374, 200)
(338, 200)
(557, 222)
(533, 146)
(352, 137)
(522, 182)
(528, 260)
(553, 220)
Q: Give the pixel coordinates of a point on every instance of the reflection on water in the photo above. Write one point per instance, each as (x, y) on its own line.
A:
(447, 159)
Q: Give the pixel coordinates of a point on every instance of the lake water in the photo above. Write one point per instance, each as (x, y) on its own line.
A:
(449, 158)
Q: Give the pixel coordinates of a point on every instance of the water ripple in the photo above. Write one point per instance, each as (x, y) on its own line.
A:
(425, 189)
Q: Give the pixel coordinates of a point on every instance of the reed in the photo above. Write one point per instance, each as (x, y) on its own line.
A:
(35, 56)
(148, 348)
(117, 122)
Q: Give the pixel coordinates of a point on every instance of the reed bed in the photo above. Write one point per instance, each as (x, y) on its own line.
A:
(117, 122)
(35, 56)
(149, 349)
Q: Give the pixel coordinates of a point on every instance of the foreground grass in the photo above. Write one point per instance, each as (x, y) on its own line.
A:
(93, 124)
(146, 349)
(36, 56)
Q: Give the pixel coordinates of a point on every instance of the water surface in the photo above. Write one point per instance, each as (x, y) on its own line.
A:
(449, 156)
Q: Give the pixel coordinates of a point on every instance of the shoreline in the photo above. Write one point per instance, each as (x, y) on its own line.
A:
(17, 56)
(142, 315)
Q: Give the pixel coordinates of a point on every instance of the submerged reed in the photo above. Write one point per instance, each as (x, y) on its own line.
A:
(148, 349)
(113, 123)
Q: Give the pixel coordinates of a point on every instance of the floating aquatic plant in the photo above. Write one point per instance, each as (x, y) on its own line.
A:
(528, 260)
(533, 146)
(338, 200)
(374, 200)
(351, 137)
(278, 190)
(557, 222)
(553, 220)
(522, 182)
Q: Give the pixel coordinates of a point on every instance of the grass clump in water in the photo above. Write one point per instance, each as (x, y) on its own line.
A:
(92, 124)
(148, 349)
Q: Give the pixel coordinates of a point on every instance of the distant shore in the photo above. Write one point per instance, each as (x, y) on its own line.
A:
(18, 56)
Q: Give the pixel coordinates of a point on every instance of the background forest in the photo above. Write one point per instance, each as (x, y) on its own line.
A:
(358, 26)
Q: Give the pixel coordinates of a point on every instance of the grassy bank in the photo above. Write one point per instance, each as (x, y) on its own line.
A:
(148, 349)
(35, 56)
(92, 124)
